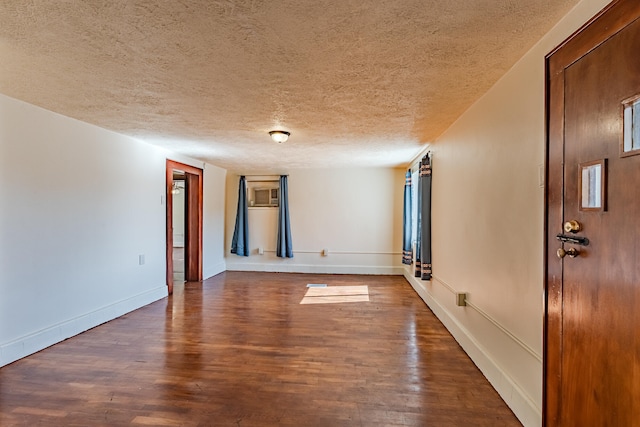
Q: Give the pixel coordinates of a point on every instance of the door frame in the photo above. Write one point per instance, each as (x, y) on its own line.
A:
(193, 222)
(608, 22)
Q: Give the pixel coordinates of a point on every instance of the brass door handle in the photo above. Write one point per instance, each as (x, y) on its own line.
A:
(572, 252)
(572, 226)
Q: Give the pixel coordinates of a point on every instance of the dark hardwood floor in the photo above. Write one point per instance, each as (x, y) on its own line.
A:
(239, 350)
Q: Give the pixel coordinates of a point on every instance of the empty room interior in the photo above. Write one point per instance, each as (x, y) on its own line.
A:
(166, 259)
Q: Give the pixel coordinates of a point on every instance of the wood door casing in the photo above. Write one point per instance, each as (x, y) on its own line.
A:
(591, 350)
(194, 179)
(193, 228)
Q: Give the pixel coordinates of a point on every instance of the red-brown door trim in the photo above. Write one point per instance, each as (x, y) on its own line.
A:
(193, 222)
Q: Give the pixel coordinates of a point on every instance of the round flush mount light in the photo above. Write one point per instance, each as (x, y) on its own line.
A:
(279, 136)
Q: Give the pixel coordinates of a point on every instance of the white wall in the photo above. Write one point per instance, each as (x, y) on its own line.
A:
(79, 205)
(213, 221)
(354, 213)
(488, 213)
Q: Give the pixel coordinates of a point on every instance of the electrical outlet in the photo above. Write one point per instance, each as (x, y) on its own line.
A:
(461, 299)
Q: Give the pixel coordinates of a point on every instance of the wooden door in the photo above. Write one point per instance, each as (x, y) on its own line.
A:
(592, 319)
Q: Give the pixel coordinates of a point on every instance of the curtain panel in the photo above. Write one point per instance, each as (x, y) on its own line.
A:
(407, 253)
(284, 247)
(423, 244)
(240, 241)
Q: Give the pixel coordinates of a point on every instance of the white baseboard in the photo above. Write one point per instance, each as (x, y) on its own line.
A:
(525, 409)
(29, 344)
(315, 269)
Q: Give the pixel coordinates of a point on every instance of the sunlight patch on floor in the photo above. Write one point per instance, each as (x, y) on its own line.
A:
(336, 294)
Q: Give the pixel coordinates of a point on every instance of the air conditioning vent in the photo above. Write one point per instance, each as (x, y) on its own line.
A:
(265, 197)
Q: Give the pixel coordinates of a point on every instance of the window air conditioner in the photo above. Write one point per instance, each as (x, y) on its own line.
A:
(265, 197)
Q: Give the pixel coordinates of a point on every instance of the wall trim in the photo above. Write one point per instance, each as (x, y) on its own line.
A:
(522, 405)
(32, 343)
(497, 324)
(340, 252)
(315, 268)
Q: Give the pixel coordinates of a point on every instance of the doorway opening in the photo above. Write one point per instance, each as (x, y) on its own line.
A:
(178, 221)
(184, 223)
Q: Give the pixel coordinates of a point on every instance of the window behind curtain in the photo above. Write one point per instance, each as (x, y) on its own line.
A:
(415, 175)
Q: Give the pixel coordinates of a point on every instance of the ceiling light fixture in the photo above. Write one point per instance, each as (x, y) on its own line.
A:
(175, 189)
(279, 136)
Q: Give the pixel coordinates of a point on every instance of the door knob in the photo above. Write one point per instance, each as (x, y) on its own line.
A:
(572, 226)
(572, 252)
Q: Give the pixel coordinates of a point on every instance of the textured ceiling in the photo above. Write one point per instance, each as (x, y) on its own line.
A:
(357, 83)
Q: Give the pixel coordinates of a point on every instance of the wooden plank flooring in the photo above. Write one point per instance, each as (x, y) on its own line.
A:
(239, 350)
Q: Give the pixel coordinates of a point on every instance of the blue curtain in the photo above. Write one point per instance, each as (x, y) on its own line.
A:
(284, 248)
(407, 254)
(240, 241)
(423, 244)
(418, 272)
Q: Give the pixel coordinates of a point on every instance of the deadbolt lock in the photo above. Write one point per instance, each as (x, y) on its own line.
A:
(572, 252)
(572, 226)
